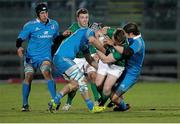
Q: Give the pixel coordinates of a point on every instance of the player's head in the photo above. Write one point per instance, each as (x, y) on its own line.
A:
(119, 36)
(82, 17)
(42, 12)
(95, 26)
(131, 30)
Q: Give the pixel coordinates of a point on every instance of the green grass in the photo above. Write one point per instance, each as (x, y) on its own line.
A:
(150, 102)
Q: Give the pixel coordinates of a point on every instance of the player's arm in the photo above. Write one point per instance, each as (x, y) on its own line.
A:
(71, 29)
(106, 59)
(59, 39)
(91, 60)
(108, 31)
(67, 33)
(23, 35)
(126, 52)
(56, 43)
(20, 49)
(96, 43)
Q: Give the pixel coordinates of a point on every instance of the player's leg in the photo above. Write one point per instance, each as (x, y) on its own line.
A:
(123, 87)
(114, 73)
(76, 74)
(108, 84)
(26, 86)
(68, 103)
(54, 103)
(91, 73)
(46, 71)
(101, 74)
(78, 78)
(79, 62)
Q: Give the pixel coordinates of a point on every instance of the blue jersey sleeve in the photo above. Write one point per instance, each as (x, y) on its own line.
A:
(136, 46)
(89, 33)
(25, 32)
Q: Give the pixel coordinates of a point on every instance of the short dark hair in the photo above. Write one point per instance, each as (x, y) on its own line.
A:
(131, 28)
(81, 11)
(119, 36)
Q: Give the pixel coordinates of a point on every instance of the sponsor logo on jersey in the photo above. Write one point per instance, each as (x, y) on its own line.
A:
(45, 35)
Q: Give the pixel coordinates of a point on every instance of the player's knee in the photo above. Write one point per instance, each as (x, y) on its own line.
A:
(76, 86)
(28, 69)
(75, 74)
(72, 86)
(28, 77)
(83, 88)
(92, 76)
(46, 69)
(107, 91)
(99, 85)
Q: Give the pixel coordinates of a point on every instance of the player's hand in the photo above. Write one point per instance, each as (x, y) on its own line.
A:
(108, 41)
(104, 29)
(20, 52)
(67, 33)
(95, 57)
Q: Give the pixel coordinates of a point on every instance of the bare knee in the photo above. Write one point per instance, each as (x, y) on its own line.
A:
(92, 76)
(46, 71)
(28, 77)
(73, 86)
(47, 75)
(107, 91)
(99, 84)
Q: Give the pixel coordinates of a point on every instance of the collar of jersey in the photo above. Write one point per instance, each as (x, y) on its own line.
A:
(136, 37)
(43, 23)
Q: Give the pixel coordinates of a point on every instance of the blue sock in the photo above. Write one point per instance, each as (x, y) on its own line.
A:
(52, 88)
(25, 92)
(57, 98)
(122, 104)
(89, 104)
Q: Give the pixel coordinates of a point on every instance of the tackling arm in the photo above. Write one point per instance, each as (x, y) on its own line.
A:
(91, 60)
(97, 44)
(126, 52)
(104, 58)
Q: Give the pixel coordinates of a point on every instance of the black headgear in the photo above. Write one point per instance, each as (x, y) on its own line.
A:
(41, 7)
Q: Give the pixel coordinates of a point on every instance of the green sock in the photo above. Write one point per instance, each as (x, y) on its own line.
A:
(95, 91)
(104, 98)
(71, 95)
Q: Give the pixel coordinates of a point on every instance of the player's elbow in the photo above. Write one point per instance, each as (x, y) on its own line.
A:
(127, 53)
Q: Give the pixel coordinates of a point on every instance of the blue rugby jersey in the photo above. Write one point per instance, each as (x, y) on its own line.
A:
(40, 37)
(78, 41)
(134, 64)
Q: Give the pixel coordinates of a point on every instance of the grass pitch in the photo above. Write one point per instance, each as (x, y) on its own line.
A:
(150, 102)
